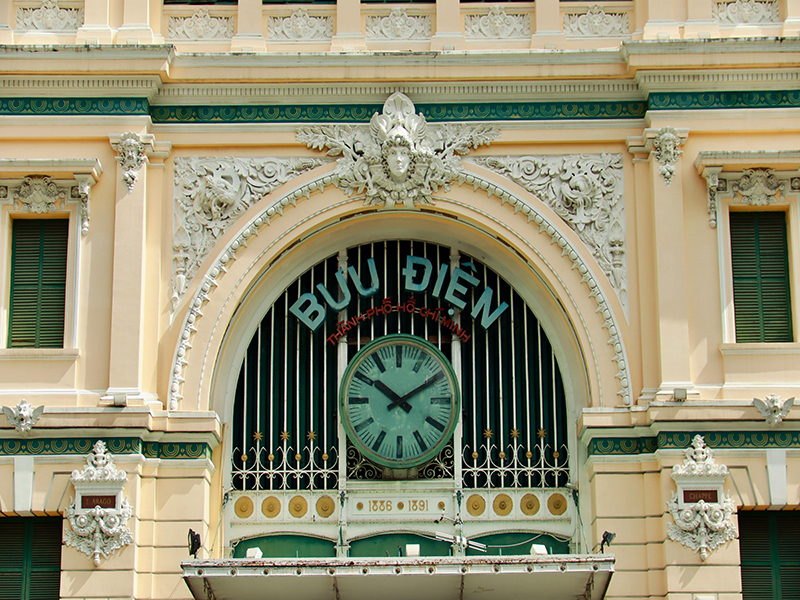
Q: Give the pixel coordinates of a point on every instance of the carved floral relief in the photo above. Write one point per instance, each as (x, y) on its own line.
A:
(399, 26)
(200, 26)
(746, 11)
(497, 25)
(299, 27)
(49, 17)
(596, 22)
(42, 194)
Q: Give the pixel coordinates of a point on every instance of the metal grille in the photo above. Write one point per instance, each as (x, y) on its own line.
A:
(513, 409)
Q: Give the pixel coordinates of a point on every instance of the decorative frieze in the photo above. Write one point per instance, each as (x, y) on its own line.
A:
(586, 191)
(399, 26)
(49, 17)
(667, 149)
(98, 515)
(758, 187)
(399, 159)
(24, 416)
(746, 12)
(131, 156)
(200, 26)
(42, 194)
(773, 408)
(210, 194)
(700, 508)
(596, 23)
(497, 25)
(299, 27)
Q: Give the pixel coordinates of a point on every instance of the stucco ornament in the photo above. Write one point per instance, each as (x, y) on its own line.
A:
(399, 160)
(399, 26)
(38, 194)
(131, 156)
(98, 531)
(497, 25)
(210, 194)
(49, 17)
(586, 191)
(773, 408)
(758, 187)
(300, 26)
(745, 11)
(200, 26)
(701, 526)
(667, 152)
(82, 193)
(596, 22)
(24, 416)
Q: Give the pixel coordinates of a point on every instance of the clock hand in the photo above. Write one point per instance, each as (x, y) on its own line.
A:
(424, 385)
(396, 400)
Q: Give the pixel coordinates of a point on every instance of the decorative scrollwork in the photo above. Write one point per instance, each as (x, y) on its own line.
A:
(497, 25)
(49, 17)
(399, 26)
(489, 466)
(759, 187)
(745, 11)
(285, 468)
(361, 468)
(200, 26)
(596, 22)
(300, 26)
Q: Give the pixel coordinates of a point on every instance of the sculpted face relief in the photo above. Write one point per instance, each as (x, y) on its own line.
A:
(398, 160)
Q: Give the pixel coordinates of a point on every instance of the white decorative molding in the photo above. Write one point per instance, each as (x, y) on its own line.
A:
(773, 408)
(399, 26)
(274, 210)
(746, 11)
(701, 526)
(299, 27)
(97, 530)
(596, 22)
(497, 25)
(586, 191)
(42, 194)
(758, 187)
(200, 26)
(210, 195)
(24, 416)
(399, 159)
(131, 156)
(667, 145)
(49, 17)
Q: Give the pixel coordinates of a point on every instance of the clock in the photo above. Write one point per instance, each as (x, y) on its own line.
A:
(399, 401)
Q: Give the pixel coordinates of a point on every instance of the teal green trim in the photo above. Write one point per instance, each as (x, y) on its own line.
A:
(115, 446)
(682, 440)
(362, 113)
(287, 546)
(715, 100)
(517, 543)
(394, 544)
(74, 106)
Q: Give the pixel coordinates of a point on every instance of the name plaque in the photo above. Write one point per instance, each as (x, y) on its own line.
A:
(692, 496)
(101, 501)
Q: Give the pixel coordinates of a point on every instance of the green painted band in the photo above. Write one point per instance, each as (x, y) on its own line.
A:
(163, 450)
(718, 100)
(682, 440)
(74, 106)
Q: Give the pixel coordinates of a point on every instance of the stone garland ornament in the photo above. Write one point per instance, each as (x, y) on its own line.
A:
(399, 160)
(714, 184)
(586, 191)
(667, 152)
(596, 22)
(49, 17)
(399, 26)
(131, 157)
(758, 187)
(210, 195)
(745, 11)
(41, 194)
(497, 25)
(773, 408)
(701, 526)
(97, 531)
(24, 416)
(200, 26)
(299, 27)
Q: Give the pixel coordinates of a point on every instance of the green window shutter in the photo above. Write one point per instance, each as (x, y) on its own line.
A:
(760, 263)
(769, 547)
(38, 283)
(30, 558)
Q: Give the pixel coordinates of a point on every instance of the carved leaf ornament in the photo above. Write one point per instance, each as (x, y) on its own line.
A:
(399, 159)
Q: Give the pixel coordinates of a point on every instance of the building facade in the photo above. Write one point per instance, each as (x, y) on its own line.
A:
(444, 300)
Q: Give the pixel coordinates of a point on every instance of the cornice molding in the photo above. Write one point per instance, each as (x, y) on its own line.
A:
(706, 46)
(80, 86)
(71, 52)
(705, 81)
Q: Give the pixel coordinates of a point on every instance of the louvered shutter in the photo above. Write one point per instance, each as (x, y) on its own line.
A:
(38, 283)
(760, 265)
(12, 559)
(30, 558)
(769, 547)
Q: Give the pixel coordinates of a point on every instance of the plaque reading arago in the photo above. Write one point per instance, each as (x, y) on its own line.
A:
(101, 501)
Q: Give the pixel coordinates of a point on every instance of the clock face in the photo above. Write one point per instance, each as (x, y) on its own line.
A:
(399, 401)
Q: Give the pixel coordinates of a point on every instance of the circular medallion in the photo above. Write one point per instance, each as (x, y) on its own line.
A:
(325, 506)
(298, 506)
(399, 401)
(476, 505)
(243, 507)
(529, 504)
(557, 504)
(502, 504)
(271, 507)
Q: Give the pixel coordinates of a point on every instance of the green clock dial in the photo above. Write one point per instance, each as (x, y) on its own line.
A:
(399, 401)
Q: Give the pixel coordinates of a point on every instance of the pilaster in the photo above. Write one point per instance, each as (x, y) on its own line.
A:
(790, 15)
(348, 35)
(548, 31)
(95, 29)
(661, 24)
(699, 22)
(6, 18)
(135, 23)
(449, 34)
(250, 28)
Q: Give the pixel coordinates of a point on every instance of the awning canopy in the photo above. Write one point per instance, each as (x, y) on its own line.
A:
(557, 577)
